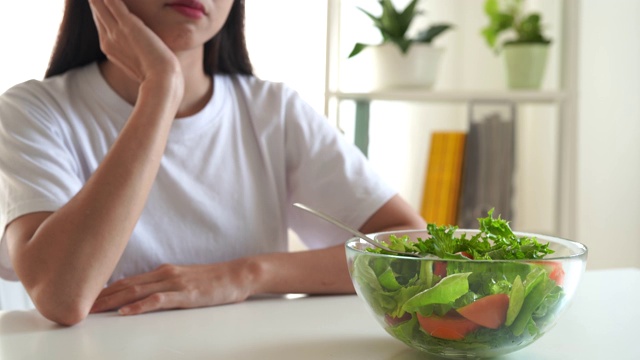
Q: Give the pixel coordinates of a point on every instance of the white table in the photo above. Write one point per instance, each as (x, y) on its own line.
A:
(602, 323)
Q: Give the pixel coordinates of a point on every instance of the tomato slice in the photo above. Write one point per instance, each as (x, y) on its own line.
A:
(440, 268)
(557, 274)
(555, 270)
(452, 326)
(489, 311)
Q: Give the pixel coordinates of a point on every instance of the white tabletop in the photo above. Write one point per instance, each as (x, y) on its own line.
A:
(602, 323)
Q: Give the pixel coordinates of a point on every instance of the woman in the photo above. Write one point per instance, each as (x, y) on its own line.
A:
(153, 162)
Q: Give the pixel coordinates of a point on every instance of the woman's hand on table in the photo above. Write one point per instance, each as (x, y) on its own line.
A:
(178, 287)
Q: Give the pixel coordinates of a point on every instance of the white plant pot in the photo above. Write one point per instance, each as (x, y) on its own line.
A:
(415, 69)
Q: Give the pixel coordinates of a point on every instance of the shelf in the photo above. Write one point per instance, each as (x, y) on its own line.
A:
(519, 96)
(565, 14)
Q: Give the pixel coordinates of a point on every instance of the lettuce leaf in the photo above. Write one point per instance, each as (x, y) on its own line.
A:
(448, 290)
(495, 241)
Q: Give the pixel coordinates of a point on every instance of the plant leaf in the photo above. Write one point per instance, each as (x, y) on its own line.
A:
(404, 44)
(393, 25)
(428, 35)
(507, 15)
(499, 22)
(407, 16)
(491, 7)
(389, 18)
(530, 30)
(357, 48)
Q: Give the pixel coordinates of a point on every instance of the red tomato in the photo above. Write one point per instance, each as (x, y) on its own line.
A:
(555, 270)
(452, 326)
(557, 274)
(440, 268)
(489, 311)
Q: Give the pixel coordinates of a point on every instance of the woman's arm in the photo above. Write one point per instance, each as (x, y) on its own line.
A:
(312, 272)
(64, 258)
(325, 271)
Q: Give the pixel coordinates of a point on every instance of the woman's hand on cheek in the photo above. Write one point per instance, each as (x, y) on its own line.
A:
(130, 44)
(177, 287)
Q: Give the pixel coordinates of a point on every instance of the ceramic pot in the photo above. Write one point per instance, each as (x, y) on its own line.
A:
(525, 65)
(415, 69)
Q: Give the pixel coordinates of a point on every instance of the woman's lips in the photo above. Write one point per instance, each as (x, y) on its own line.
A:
(190, 9)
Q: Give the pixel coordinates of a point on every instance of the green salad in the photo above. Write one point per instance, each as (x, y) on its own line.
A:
(472, 304)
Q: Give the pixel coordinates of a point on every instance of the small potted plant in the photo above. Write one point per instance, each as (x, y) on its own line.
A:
(526, 50)
(400, 60)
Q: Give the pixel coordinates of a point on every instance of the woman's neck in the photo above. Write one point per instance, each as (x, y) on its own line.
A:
(198, 85)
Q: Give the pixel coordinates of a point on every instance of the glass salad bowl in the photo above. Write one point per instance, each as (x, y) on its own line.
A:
(468, 303)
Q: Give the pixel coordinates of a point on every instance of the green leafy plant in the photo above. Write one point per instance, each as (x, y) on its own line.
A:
(508, 16)
(393, 26)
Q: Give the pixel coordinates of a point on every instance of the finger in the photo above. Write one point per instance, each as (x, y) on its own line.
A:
(135, 287)
(102, 31)
(119, 11)
(126, 296)
(102, 14)
(154, 302)
(140, 279)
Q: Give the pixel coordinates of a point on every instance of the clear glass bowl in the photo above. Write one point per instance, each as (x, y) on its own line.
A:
(500, 306)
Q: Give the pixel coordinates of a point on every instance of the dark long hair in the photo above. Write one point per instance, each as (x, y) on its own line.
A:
(78, 43)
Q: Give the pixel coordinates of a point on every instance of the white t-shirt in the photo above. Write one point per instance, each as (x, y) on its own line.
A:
(226, 182)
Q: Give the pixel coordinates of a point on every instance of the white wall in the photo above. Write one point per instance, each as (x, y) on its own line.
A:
(608, 209)
(286, 42)
(26, 40)
(25, 48)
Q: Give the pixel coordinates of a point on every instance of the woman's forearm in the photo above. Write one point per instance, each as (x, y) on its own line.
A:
(322, 271)
(325, 271)
(71, 255)
(309, 272)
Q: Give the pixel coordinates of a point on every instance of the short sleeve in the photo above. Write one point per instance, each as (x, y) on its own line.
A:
(327, 173)
(37, 169)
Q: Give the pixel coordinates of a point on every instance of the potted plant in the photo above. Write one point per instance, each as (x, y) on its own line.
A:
(400, 60)
(526, 50)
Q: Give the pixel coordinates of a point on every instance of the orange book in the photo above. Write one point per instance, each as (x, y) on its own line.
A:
(442, 185)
